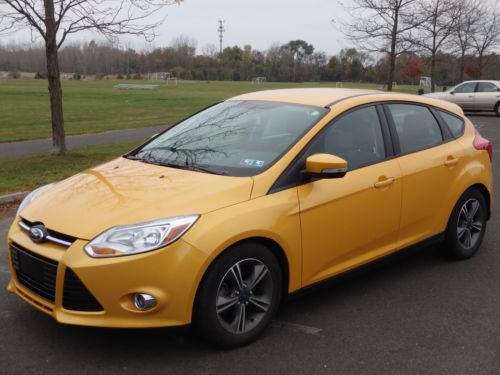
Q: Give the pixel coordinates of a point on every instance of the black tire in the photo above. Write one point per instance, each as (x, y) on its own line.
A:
(463, 238)
(213, 320)
(497, 109)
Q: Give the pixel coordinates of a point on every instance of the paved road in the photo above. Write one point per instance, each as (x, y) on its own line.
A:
(416, 314)
(74, 141)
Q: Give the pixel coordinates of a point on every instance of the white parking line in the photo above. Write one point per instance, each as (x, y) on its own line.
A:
(4, 269)
(296, 327)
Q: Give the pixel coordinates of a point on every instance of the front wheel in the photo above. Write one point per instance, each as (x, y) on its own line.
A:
(467, 226)
(238, 296)
(497, 109)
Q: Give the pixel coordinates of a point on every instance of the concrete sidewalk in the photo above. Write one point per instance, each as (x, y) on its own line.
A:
(74, 141)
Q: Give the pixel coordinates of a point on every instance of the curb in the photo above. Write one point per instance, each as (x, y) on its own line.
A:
(13, 198)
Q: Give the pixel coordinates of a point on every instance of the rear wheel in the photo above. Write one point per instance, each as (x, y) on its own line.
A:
(239, 295)
(467, 226)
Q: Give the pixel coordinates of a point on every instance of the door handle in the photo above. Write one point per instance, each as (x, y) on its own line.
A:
(451, 161)
(383, 183)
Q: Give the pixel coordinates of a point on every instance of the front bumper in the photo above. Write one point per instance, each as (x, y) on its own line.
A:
(171, 275)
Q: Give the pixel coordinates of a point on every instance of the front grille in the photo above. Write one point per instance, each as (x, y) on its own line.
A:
(76, 296)
(35, 272)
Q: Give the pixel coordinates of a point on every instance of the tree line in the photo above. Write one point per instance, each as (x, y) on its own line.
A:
(295, 61)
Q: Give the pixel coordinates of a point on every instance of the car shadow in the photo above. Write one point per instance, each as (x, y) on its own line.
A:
(174, 343)
(480, 114)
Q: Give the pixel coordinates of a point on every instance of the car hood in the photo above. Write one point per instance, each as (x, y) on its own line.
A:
(124, 192)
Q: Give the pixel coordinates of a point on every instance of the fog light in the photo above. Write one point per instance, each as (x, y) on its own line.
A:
(144, 301)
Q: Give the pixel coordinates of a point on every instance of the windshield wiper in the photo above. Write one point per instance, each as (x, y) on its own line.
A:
(206, 170)
(192, 167)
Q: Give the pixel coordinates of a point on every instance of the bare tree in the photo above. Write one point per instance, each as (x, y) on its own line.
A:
(440, 22)
(381, 26)
(471, 12)
(55, 20)
(486, 37)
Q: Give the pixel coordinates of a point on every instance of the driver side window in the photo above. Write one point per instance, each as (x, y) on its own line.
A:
(466, 88)
(355, 137)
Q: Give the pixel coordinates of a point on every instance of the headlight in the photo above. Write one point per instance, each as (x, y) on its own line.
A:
(139, 238)
(31, 197)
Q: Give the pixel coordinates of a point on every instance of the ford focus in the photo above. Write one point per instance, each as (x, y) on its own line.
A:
(214, 221)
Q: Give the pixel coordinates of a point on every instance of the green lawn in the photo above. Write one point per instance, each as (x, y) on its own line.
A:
(23, 173)
(96, 106)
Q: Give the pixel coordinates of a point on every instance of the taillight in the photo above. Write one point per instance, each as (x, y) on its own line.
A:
(481, 143)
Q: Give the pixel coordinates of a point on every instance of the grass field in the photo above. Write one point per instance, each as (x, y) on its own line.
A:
(23, 173)
(96, 106)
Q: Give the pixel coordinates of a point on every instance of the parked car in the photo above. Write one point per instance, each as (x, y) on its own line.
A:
(217, 219)
(475, 96)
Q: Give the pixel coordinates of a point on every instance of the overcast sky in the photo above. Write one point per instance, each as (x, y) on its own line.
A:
(256, 22)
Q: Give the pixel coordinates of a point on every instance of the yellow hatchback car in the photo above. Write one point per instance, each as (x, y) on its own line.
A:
(218, 218)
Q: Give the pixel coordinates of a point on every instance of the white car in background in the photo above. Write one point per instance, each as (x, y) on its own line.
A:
(473, 96)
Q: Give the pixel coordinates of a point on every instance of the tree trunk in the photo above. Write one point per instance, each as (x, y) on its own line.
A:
(54, 79)
(392, 54)
(481, 66)
(433, 73)
(462, 67)
(392, 68)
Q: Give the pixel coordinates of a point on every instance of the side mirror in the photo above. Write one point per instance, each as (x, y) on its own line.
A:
(326, 166)
(452, 92)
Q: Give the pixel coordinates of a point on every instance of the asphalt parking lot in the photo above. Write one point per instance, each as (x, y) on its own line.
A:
(417, 313)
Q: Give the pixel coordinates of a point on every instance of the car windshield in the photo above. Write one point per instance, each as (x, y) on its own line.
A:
(236, 138)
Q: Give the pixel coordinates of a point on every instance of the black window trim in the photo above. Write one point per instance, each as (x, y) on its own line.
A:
(280, 185)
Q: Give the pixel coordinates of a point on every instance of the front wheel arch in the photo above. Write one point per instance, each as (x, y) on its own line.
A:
(271, 245)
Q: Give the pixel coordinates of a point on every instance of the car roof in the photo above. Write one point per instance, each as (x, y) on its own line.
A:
(480, 80)
(327, 97)
(320, 97)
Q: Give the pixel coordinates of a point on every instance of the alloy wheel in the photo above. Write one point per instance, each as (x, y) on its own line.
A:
(244, 296)
(470, 223)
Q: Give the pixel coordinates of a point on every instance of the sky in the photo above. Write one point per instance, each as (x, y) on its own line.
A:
(257, 22)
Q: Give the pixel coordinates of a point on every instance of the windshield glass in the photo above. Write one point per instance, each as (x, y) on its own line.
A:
(236, 138)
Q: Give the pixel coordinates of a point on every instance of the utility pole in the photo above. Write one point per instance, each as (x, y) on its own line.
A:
(221, 29)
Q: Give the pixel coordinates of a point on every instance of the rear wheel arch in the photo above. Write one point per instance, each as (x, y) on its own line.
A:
(486, 194)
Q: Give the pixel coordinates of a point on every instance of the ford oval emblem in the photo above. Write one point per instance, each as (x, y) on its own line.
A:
(38, 233)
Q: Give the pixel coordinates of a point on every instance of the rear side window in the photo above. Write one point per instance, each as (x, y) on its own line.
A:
(455, 124)
(487, 87)
(416, 127)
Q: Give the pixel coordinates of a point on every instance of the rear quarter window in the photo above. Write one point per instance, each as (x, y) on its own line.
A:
(455, 124)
